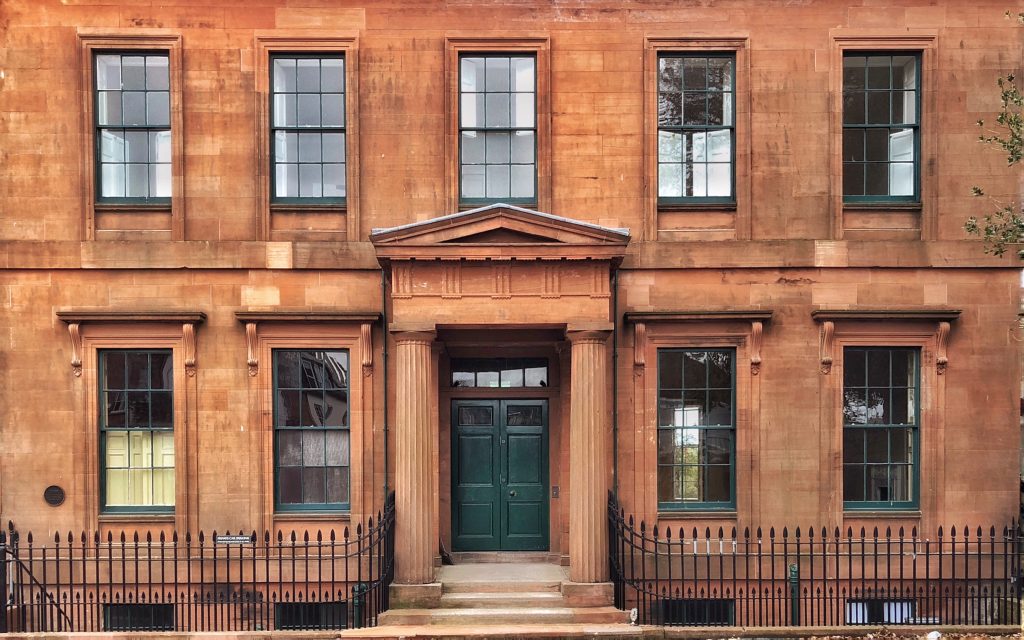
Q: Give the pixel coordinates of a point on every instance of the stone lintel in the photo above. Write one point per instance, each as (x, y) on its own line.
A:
(587, 594)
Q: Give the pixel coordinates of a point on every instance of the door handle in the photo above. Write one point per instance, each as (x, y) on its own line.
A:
(512, 493)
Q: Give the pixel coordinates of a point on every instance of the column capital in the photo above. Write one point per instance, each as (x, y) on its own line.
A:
(424, 337)
(583, 336)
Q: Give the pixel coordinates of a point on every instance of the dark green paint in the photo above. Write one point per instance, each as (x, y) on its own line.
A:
(500, 475)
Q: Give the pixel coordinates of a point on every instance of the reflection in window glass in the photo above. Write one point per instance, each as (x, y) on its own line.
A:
(696, 427)
(879, 426)
(311, 429)
(499, 372)
(881, 101)
(696, 113)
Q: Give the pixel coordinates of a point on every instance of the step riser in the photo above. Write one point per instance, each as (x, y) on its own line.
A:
(502, 587)
(492, 617)
(511, 600)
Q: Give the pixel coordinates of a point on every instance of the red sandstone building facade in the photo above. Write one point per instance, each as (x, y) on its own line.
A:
(263, 262)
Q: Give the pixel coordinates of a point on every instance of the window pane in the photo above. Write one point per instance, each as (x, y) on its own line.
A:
(138, 181)
(523, 74)
(670, 109)
(286, 183)
(878, 72)
(853, 179)
(309, 147)
(472, 110)
(719, 407)
(854, 108)
(876, 445)
(670, 146)
(717, 483)
(522, 181)
(695, 109)
(163, 487)
(289, 448)
(337, 484)
(670, 180)
(136, 146)
(310, 180)
(497, 110)
(286, 146)
(471, 74)
(108, 72)
(876, 179)
(878, 107)
(473, 181)
(720, 74)
(289, 485)
(696, 180)
(117, 487)
(695, 73)
(160, 146)
(333, 147)
(337, 448)
(853, 144)
(334, 180)
(876, 144)
(313, 448)
(161, 405)
(878, 368)
(523, 110)
(853, 482)
(901, 179)
(497, 181)
(332, 75)
(497, 74)
(308, 75)
(498, 149)
(133, 104)
(719, 179)
(108, 108)
(284, 75)
(332, 105)
(158, 110)
(157, 75)
(133, 72)
(472, 147)
(854, 406)
(285, 110)
(853, 445)
(877, 479)
(523, 149)
(112, 145)
(309, 110)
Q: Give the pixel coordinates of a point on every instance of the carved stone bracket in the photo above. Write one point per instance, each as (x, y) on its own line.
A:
(251, 349)
(825, 347)
(366, 347)
(639, 347)
(941, 340)
(76, 348)
(756, 332)
(188, 340)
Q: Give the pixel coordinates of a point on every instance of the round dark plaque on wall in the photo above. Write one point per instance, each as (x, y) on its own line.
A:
(54, 495)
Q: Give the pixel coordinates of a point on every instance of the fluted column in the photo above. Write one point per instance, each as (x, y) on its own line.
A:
(589, 442)
(414, 444)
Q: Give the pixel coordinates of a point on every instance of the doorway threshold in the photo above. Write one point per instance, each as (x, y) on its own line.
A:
(504, 557)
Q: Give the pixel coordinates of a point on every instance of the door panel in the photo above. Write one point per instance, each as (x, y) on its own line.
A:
(475, 480)
(500, 477)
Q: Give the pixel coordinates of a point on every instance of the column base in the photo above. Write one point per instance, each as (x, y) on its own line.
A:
(587, 594)
(416, 596)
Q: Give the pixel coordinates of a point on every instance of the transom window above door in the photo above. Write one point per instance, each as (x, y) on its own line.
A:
(499, 372)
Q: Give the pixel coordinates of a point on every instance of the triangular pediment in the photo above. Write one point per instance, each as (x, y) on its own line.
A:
(499, 225)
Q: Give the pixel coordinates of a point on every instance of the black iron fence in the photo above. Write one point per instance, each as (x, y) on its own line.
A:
(242, 582)
(815, 577)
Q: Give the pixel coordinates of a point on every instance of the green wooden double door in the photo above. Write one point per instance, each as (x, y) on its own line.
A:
(500, 475)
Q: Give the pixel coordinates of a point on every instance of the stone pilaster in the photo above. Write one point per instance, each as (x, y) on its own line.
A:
(589, 442)
(415, 541)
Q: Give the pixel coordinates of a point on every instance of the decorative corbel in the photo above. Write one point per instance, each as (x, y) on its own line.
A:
(366, 347)
(828, 331)
(76, 348)
(188, 340)
(639, 347)
(756, 331)
(250, 345)
(941, 340)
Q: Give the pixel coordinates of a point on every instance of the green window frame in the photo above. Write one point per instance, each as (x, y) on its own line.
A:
(136, 400)
(497, 128)
(881, 126)
(312, 438)
(696, 128)
(308, 129)
(881, 431)
(696, 429)
(132, 107)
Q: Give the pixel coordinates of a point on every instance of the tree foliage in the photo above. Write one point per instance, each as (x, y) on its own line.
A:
(1005, 226)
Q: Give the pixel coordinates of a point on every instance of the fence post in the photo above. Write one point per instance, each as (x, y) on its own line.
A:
(3, 582)
(794, 594)
(357, 605)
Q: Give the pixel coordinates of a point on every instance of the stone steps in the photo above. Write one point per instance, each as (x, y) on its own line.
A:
(491, 616)
(495, 586)
(514, 600)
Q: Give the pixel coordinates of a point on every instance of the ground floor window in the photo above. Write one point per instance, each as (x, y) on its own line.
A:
(696, 428)
(880, 427)
(311, 429)
(137, 430)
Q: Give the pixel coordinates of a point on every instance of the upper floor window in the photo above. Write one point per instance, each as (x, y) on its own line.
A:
(499, 372)
(497, 128)
(696, 127)
(307, 137)
(881, 131)
(136, 430)
(311, 429)
(133, 127)
(696, 428)
(880, 427)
